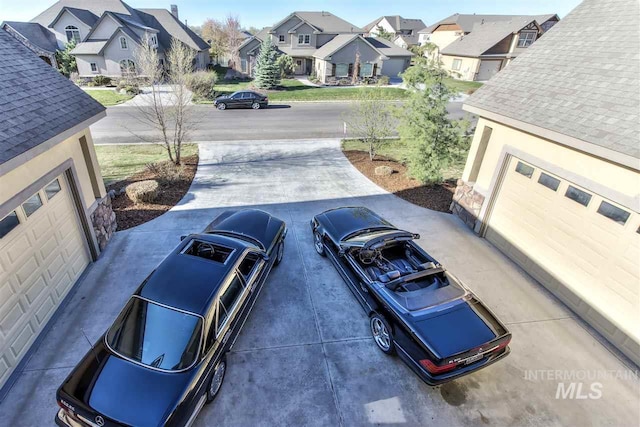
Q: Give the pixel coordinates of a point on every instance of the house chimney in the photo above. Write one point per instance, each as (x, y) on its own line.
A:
(174, 10)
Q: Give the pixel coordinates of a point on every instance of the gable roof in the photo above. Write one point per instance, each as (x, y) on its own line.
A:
(409, 39)
(466, 22)
(383, 46)
(95, 7)
(162, 19)
(37, 102)
(96, 47)
(559, 85)
(484, 36)
(337, 43)
(325, 22)
(398, 23)
(85, 16)
(36, 34)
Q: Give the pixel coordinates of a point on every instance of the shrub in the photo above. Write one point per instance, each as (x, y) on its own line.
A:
(101, 80)
(166, 171)
(142, 191)
(202, 83)
(383, 80)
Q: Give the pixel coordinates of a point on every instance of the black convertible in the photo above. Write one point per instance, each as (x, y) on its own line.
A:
(164, 356)
(417, 308)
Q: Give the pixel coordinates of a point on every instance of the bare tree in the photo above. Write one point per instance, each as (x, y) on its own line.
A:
(171, 114)
(234, 38)
(371, 120)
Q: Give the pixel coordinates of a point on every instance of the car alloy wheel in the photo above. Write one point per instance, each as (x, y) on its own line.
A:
(279, 252)
(255, 105)
(381, 332)
(216, 380)
(318, 244)
(221, 106)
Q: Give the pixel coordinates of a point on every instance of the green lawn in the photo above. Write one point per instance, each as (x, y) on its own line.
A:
(461, 85)
(118, 162)
(293, 90)
(108, 97)
(397, 150)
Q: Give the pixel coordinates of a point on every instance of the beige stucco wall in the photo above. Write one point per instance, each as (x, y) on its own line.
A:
(468, 67)
(605, 173)
(19, 178)
(443, 39)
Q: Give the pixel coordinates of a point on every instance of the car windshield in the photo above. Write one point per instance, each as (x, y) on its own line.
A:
(156, 336)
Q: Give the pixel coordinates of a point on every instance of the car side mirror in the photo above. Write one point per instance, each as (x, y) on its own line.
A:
(416, 236)
(265, 257)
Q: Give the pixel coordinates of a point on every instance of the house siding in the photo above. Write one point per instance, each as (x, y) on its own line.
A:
(67, 19)
(105, 29)
(113, 54)
(84, 65)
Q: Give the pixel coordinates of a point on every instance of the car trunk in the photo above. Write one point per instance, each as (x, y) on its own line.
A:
(460, 332)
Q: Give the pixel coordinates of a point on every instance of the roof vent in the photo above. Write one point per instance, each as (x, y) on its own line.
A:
(174, 10)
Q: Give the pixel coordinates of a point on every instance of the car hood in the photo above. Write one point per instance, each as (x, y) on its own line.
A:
(123, 391)
(453, 330)
(254, 223)
(222, 97)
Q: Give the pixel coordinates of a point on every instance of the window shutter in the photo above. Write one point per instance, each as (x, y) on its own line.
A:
(333, 69)
(350, 72)
(375, 69)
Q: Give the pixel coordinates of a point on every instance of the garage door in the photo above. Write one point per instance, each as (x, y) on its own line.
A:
(580, 245)
(488, 68)
(42, 253)
(393, 67)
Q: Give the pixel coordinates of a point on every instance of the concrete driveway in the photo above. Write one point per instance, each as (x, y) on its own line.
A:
(305, 356)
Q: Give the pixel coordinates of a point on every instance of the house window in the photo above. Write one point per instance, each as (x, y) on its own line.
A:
(123, 43)
(8, 223)
(127, 66)
(366, 70)
(524, 169)
(281, 38)
(304, 39)
(154, 41)
(52, 189)
(549, 181)
(457, 63)
(613, 212)
(73, 34)
(94, 67)
(32, 204)
(342, 70)
(526, 38)
(577, 195)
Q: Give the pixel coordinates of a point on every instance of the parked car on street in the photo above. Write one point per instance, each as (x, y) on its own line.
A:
(417, 309)
(241, 99)
(164, 356)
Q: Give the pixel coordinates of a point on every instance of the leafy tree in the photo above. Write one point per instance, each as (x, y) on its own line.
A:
(433, 139)
(213, 33)
(267, 75)
(371, 120)
(66, 61)
(384, 34)
(285, 62)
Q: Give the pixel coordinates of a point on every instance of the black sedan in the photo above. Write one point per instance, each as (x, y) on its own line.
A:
(164, 356)
(417, 309)
(241, 99)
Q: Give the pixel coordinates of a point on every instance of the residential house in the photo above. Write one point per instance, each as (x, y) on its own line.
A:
(553, 174)
(107, 33)
(55, 216)
(405, 30)
(323, 44)
(476, 47)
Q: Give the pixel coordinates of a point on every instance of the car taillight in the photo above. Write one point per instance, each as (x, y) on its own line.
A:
(502, 345)
(435, 369)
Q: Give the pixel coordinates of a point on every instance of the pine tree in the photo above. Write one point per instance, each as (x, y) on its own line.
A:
(66, 61)
(267, 75)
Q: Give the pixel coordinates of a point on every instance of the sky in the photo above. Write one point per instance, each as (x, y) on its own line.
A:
(260, 13)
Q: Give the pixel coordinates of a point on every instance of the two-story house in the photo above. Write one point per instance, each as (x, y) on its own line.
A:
(320, 43)
(405, 30)
(476, 47)
(107, 33)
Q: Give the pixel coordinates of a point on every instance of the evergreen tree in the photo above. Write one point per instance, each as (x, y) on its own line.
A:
(66, 61)
(267, 74)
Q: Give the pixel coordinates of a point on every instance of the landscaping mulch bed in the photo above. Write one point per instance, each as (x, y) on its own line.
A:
(435, 197)
(130, 214)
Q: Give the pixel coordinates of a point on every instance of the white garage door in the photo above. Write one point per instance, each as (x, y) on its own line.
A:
(488, 68)
(42, 253)
(569, 237)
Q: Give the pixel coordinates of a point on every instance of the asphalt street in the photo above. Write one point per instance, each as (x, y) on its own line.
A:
(294, 120)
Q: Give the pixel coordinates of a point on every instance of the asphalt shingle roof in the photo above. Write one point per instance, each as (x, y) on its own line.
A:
(584, 87)
(466, 21)
(387, 47)
(328, 22)
(36, 34)
(36, 101)
(484, 36)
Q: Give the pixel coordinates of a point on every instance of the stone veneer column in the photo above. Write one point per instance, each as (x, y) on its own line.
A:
(467, 203)
(103, 220)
